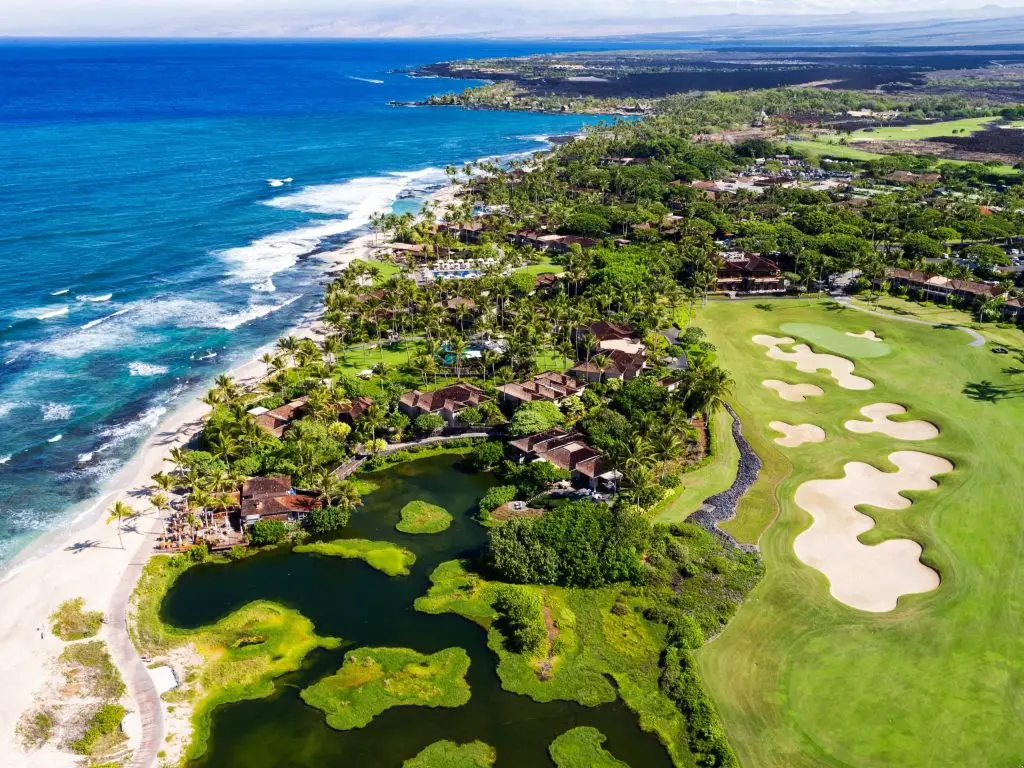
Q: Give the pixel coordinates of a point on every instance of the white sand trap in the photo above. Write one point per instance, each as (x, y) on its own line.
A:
(871, 578)
(879, 414)
(794, 393)
(797, 434)
(869, 335)
(839, 368)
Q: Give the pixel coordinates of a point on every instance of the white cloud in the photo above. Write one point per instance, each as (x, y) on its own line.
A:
(344, 18)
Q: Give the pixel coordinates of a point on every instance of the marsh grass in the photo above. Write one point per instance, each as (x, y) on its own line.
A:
(372, 680)
(382, 555)
(242, 653)
(582, 748)
(423, 517)
(448, 754)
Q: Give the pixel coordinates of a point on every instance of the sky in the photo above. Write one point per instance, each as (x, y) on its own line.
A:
(409, 18)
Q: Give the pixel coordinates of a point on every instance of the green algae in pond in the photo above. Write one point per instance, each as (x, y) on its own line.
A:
(422, 517)
(448, 754)
(382, 555)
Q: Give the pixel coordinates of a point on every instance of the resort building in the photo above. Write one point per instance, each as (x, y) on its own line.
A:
(943, 288)
(278, 420)
(741, 272)
(355, 409)
(611, 336)
(550, 386)
(569, 451)
(621, 365)
(448, 401)
(273, 498)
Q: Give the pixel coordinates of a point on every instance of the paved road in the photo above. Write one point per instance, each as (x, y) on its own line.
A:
(136, 677)
(978, 339)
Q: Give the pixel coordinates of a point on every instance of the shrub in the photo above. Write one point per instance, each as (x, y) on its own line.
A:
(426, 423)
(535, 417)
(486, 456)
(72, 622)
(496, 496)
(537, 476)
(264, 532)
(471, 416)
(104, 722)
(200, 553)
(327, 519)
(520, 619)
(679, 681)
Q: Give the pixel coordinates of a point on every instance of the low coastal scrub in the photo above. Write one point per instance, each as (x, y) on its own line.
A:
(520, 619)
(422, 517)
(582, 748)
(416, 452)
(372, 680)
(88, 670)
(242, 653)
(382, 555)
(102, 731)
(72, 622)
(448, 754)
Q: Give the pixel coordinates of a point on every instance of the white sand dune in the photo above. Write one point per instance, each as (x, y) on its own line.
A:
(797, 434)
(794, 393)
(869, 335)
(871, 578)
(808, 361)
(879, 414)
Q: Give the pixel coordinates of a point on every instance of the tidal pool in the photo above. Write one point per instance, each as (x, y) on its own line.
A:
(351, 600)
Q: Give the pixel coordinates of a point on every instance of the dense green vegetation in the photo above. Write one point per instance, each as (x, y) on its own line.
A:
(372, 680)
(421, 517)
(382, 555)
(72, 622)
(448, 754)
(581, 748)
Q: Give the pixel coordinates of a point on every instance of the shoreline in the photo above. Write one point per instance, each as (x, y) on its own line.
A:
(83, 558)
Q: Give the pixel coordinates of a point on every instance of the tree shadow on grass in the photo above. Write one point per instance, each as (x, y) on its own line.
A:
(764, 306)
(987, 392)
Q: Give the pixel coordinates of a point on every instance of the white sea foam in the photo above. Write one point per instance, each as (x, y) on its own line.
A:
(49, 313)
(61, 292)
(365, 80)
(280, 182)
(118, 433)
(98, 320)
(207, 356)
(6, 408)
(146, 369)
(104, 297)
(5, 459)
(357, 200)
(267, 286)
(190, 313)
(56, 411)
(85, 458)
(55, 439)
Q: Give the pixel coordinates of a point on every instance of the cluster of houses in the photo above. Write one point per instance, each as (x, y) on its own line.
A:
(941, 288)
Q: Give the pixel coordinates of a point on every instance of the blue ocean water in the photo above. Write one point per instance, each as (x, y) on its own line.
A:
(148, 239)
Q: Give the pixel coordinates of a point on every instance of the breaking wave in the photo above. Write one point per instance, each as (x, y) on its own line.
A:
(97, 321)
(55, 439)
(56, 411)
(146, 369)
(104, 297)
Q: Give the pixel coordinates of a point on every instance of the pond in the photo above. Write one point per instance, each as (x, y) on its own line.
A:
(364, 607)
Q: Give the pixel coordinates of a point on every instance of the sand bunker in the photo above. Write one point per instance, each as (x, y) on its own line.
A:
(794, 393)
(879, 414)
(871, 578)
(869, 335)
(797, 434)
(839, 368)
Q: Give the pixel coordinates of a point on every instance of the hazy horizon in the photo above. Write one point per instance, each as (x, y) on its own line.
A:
(450, 18)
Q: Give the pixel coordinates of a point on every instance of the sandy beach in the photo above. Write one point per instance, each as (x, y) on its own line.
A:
(85, 559)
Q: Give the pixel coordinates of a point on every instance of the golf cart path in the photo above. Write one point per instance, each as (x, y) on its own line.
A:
(979, 340)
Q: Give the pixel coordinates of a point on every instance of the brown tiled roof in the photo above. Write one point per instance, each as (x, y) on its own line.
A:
(566, 450)
(282, 506)
(256, 487)
(453, 396)
(356, 408)
(605, 331)
(752, 265)
(549, 386)
(546, 279)
(619, 361)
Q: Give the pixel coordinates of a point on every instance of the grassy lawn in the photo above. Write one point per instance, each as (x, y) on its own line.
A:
(421, 517)
(966, 127)
(382, 555)
(581, 748)
(448, 754)
(714, 477)
(799, 678)
(372, 680)
(846, 152)
(545, 267)
(935, 313)
(242, 653)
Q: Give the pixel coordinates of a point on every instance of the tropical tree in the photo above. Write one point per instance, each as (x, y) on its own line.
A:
(117, 514)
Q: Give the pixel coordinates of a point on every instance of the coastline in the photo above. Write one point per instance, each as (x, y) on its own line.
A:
(85, 559)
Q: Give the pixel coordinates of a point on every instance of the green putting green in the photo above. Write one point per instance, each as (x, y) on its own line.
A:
(833, 340)
(801, 679)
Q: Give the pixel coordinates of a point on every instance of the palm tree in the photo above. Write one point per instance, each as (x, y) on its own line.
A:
(270, 361)
(117, 514)
(178, 456)
(160, 501)
(224, 446)
(667, 447)
(164, 482)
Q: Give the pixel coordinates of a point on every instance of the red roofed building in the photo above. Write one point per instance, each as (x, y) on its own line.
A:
(277, 421)
(550, 386)
(448, 401)
(568, 451)
(621, 365)
(273, 498)
(749, 273)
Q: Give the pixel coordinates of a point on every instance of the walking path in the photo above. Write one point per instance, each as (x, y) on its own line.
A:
(979, 340)
(137, 679)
